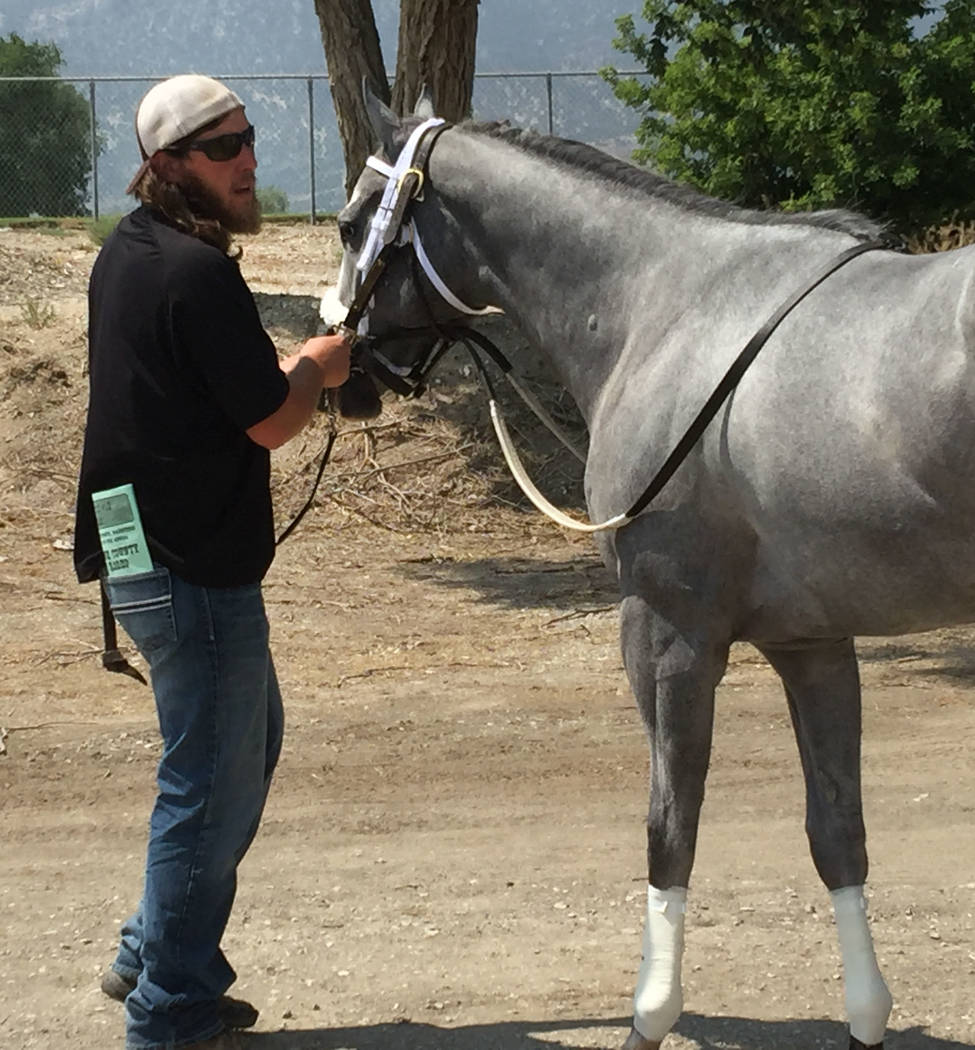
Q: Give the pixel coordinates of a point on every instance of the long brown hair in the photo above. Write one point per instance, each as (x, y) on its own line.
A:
(172, 203)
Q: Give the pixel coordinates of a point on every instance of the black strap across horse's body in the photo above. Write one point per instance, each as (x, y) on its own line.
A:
(738, 368)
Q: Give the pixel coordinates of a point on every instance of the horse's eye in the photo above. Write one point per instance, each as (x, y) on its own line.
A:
(347, 230)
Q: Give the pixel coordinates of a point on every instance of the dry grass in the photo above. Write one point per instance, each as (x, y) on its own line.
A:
(954, 234)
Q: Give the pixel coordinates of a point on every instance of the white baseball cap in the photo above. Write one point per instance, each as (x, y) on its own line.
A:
(175, 108)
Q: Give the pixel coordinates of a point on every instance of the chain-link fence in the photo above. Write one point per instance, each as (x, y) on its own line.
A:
(67, 145)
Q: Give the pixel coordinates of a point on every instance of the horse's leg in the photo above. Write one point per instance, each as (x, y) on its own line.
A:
(673, 671)
(823, 688)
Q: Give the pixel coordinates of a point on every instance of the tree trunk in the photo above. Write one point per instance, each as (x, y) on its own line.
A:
(437, 42)
(352, 52)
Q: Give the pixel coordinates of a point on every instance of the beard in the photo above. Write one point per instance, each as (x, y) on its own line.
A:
(241, 215)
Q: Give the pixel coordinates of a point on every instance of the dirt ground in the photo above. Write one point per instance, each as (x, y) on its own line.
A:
(453, 852)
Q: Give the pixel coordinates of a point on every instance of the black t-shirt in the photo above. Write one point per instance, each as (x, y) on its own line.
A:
(179, 367)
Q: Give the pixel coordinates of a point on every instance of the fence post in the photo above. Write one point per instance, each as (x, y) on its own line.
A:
(548, 92)
(311, 146)
(94, 148)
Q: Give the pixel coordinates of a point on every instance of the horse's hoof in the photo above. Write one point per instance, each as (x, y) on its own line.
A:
(635, 1041)
(855, 1044)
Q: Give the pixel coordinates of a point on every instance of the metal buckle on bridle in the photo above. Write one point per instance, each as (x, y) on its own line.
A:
(416, 193)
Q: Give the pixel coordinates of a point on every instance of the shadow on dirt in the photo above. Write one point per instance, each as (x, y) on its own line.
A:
(524, 583)
(704, 1033)
(296, 315)
(583, 584)
(739, 1033)
(946, 654)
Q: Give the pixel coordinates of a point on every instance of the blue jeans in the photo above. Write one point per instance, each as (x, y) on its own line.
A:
(221, 721)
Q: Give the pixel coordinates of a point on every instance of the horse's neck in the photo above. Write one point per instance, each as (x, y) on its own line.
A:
(568, 261)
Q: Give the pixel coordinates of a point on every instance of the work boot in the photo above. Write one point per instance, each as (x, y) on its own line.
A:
(235, 1013)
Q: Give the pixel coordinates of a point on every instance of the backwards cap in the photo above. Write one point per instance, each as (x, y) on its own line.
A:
(174, 109)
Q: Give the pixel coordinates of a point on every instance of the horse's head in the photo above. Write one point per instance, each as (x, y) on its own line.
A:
(397, 217)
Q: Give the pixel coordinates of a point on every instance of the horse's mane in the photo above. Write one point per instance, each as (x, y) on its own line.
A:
(580, 157)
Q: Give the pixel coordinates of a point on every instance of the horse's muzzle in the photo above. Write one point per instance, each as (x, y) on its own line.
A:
(357, 397)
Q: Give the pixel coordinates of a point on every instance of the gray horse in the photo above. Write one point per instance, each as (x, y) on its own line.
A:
(832, 495)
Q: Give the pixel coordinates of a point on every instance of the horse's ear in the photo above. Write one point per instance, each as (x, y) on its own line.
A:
(424, 104)
(382, 119)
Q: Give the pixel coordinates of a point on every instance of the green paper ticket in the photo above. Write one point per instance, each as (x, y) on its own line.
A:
(120, 532)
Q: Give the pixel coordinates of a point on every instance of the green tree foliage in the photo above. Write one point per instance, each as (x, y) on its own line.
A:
(273, 200)
(809, 105)
(45, 143)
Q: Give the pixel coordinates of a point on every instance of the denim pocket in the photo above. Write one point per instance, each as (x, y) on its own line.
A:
(143, 605)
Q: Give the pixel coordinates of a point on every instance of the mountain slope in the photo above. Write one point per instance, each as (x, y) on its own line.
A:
(115, 37)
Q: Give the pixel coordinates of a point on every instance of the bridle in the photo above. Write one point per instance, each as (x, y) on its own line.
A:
(392, 227)
(390, 230)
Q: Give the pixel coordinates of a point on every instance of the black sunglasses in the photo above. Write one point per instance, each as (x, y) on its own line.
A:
(223, 147)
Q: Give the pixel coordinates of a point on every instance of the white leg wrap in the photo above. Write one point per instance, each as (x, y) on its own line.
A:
(658, 1000)
(868, 1001)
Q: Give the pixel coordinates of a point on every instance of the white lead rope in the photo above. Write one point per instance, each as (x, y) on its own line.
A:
(527, 486)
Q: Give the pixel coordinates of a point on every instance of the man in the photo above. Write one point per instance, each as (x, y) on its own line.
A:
(186, 397)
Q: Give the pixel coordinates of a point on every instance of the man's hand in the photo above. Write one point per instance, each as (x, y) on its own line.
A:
(331, 354)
